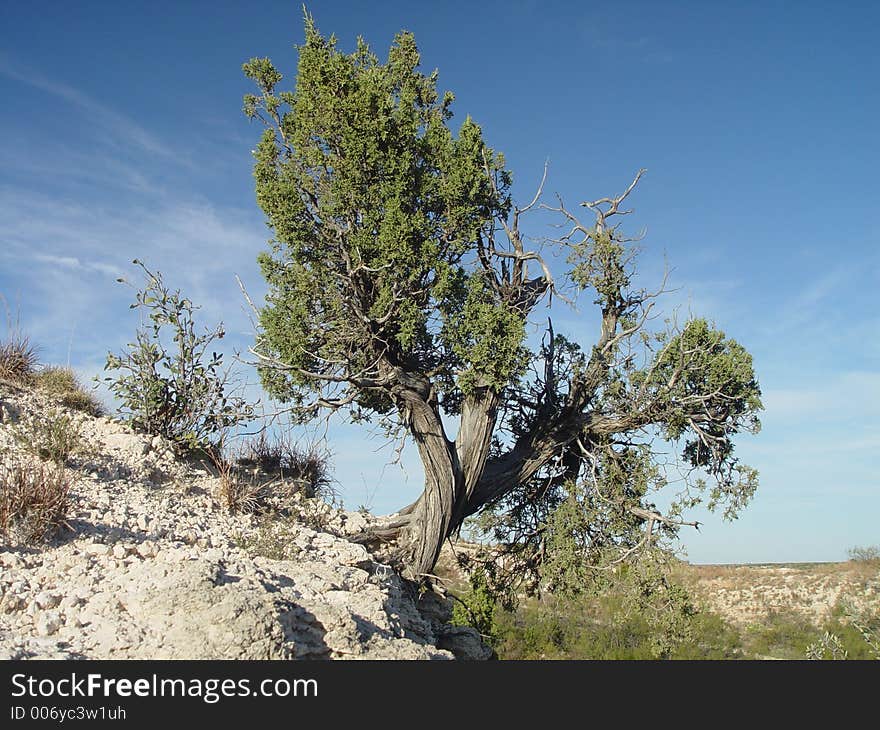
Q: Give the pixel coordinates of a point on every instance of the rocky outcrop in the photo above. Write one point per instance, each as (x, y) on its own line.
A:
(153, 567)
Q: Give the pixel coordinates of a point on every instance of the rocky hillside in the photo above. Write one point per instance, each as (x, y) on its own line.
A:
(150, 565)
(748, 594)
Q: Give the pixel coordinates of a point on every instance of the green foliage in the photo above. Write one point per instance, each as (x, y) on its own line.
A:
(62, 383)
(552, 634)
(376, 207)
(605, 627)
(600, 263)
(645, 587)
(699, 388)
(711, 637)
(169, 381)
(849, 634)
(33, 500)
(477, 607)
(642, 610)
(603, 605)
(707, 391)
(781, 635)
(591, 527)
(487, 336)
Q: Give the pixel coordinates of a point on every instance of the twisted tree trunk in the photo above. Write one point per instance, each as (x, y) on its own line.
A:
(452, 472)
(429, 521)
(460, 479)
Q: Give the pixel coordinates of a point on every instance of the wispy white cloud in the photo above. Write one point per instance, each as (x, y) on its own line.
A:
(813, 302)
(819, 438)
(60, 164)
(71, 262)
(123, 127)
(60, 258)
(817, 291)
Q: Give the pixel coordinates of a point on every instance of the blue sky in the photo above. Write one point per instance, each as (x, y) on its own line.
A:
(121, 135)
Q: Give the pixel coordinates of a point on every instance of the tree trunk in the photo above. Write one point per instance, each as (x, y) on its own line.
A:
(431, 516)
(460, 479)
(478, 417)
(452, 472)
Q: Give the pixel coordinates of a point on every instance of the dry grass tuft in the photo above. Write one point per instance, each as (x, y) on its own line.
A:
(62, 383)
(34, 501)
(18, 358)
(237, 492)
(305, 472)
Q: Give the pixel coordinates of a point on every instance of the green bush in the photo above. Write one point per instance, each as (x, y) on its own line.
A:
(849, 634)
(63, 384)
(781, 635)
(634, 609)
(606, 627)
(711, 638)
(170, 382)
(477, 608)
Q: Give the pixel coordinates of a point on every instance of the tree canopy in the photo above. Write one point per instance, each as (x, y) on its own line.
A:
(403, 290)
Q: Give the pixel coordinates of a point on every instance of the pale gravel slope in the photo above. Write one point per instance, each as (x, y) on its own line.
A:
(154, 568)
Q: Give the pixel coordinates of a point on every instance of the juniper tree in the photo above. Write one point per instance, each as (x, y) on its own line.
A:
(402, 289)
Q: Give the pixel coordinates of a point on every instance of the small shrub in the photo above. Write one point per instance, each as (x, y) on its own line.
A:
(306, 472)
(477, 607)
(576, 628)
(309, 472)
(52, 437)
(711, 638)
(782, 635)
(33, 500)
(63, 384)
(273, 538)
(274, 476)
(170, 382)
(829, 646)
(868, 554)
(851, 633)
(237, 492)
(18, 358)
(262, 453)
